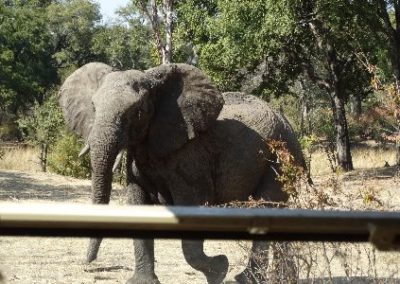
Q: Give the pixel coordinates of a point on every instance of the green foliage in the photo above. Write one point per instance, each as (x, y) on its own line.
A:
(9, 131)
(308, 142)
(235, 37)
(124, 47)
(64, 160)
(72, 26)
(323, 124)
(43, 124)
(25, 58)
(264, 47)
(290, 106)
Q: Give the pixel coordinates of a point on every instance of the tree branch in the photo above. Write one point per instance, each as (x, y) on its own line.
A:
(383, 13)
(309, 69)
(155, 25)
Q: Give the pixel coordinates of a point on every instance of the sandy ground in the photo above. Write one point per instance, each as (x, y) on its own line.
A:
(61, 260)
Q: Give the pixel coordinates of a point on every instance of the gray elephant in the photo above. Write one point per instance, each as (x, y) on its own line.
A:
(186, 144)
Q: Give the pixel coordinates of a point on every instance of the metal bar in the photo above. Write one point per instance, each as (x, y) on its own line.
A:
(80, 220)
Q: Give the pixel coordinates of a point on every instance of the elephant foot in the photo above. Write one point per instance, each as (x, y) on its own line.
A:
(141, 278)
(248, 277)
(93, 249)
(218, 269)
(91, 256)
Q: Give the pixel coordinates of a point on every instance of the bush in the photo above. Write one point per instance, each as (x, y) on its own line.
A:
(42, 126)
(64, 159)
(9, 132)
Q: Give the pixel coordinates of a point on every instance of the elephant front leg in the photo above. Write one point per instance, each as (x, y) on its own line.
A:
(144, 248)
(214, 268)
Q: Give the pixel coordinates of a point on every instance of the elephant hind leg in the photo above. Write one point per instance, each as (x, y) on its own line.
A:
(280, 268)
(269, 188)
(257, 265)
(214, 268)
(282, 262)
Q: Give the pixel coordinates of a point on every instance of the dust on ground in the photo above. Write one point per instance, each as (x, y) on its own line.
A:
(62, 260)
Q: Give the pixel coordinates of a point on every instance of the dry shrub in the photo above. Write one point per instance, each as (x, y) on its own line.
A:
(289, 173)
(323, 262)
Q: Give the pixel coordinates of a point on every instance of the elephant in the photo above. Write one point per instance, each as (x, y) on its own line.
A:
(186, 144)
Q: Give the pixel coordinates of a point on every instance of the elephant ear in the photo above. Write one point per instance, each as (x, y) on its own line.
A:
(186, 104)
(76, 94)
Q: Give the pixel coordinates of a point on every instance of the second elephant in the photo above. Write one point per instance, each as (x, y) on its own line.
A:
(189, 143)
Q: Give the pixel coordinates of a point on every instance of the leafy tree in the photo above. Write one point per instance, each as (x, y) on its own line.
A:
(26, 63)
(241, 44)
(264, 46)
(125, 45)
(43, 126)
(159, 16)
(72, 25)
(385, 24)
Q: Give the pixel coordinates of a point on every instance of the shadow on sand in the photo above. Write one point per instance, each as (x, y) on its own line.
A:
(343, 280)
(20, 186)
(373, 173)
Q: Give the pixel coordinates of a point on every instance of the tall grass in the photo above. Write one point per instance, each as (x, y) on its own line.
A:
(26, 159)
(20, 159)
(363, 158)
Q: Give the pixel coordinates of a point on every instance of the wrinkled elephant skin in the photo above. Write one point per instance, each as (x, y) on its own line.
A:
(186, 144)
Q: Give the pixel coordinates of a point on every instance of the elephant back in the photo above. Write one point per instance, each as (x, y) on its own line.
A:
(76, 94)
(256, 114)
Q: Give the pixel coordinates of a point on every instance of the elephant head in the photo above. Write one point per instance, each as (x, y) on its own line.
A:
(163, 107)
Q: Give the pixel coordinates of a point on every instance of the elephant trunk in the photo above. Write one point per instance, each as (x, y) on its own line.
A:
(104, 148)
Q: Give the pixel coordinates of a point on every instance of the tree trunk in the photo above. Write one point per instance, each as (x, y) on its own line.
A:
(356, 105)
(334, 86)
(344, 158)
(43, 156)
(305, 123)
(164, 47)
(397, 153)
(167, 54)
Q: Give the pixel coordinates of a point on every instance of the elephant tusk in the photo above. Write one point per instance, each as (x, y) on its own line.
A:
(117, 162)
(84, 150)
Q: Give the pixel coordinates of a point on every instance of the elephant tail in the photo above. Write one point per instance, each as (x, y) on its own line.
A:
(93, 249)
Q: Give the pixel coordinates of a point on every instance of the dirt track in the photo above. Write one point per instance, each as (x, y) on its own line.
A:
(61, 260)
(52, 260)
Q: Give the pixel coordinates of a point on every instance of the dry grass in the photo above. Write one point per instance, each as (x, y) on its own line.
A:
(21, 159)
(372, 186)
(26, 159)
(363, 158)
